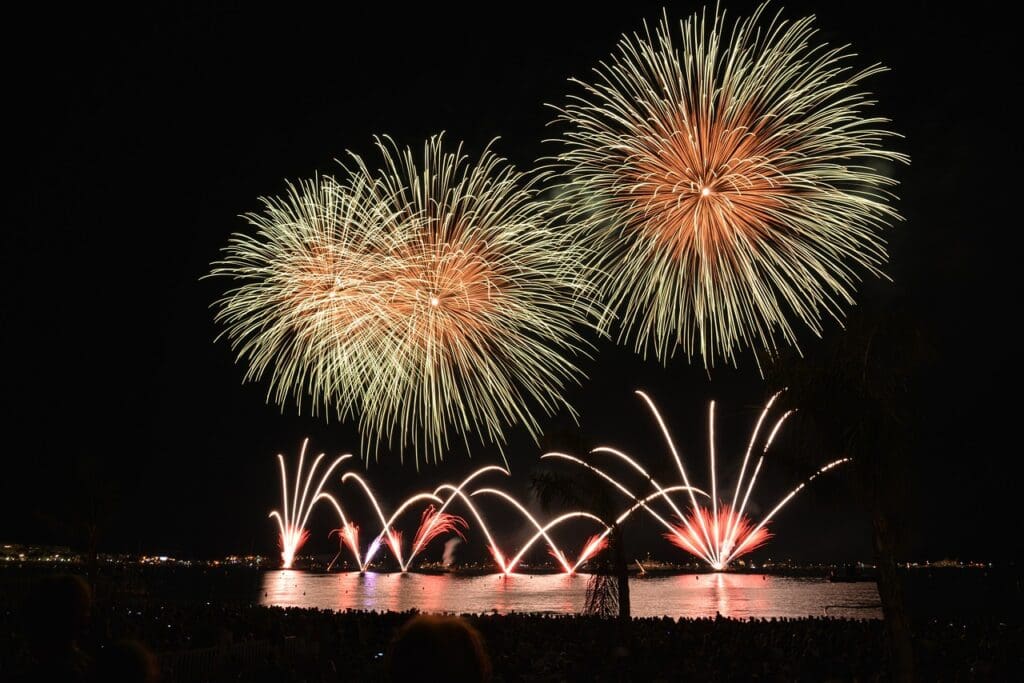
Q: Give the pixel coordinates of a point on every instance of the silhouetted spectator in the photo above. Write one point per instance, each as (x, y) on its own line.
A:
(445, 648)
(129, 661)
(56, 612)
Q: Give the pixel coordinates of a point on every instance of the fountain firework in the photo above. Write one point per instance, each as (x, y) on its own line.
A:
(717, 532)
(435, 520)
(722, 533)
(292, 523)
(433, 523)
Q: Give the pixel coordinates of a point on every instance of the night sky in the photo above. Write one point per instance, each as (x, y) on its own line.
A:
(139, 139)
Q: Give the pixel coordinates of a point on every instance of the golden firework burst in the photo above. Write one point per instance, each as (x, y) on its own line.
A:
(732, 184)
(431, 298)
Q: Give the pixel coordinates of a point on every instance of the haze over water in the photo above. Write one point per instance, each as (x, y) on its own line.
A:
(684, 595)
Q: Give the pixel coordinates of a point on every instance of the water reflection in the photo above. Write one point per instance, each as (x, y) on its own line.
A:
(689, 595)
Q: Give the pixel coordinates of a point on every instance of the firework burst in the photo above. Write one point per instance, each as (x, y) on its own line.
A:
(431, 298)
(732, 180)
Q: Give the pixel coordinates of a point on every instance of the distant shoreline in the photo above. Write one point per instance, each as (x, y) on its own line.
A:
(634, 573)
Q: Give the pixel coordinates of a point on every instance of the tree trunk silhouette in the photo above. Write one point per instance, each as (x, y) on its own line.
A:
(897, 625)
(621, 568)
(856, 391)
(588, 493)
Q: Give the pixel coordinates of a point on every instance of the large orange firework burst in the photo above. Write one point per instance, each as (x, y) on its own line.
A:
(430, 298)
(734, 182)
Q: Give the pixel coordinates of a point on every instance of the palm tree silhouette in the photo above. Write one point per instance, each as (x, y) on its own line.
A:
(582, 490)
(853, 394)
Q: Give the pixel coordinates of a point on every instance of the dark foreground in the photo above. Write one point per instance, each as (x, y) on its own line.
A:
(205, 626)
(253, 643)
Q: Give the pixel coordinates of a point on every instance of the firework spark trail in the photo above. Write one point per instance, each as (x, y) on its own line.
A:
(753, 478)
(718, 534)
(684, 538)
(492, 545)
(557, 556)
(714, 486)
(617, 484)
(349, 529)
(371, 551)
(740, 549)
(724, 548)
(292, 523)
(542, 532)
(393, 537)
(675, 453)
(426, 531)
(433, 298)
(750, 448)
(348, 535)
(393, 540)
(417, 545)
(541, 529)
(594, 545)
(639, 504)
(732, 184)
(635, 465)
(506, 565)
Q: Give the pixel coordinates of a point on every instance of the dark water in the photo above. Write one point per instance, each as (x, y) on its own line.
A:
(683, 595)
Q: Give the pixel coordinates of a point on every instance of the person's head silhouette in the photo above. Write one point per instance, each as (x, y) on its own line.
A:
(439, 647)
(56, 612)
(127, 661)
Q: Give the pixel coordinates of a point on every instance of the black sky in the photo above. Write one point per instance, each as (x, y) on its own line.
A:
(137, 139)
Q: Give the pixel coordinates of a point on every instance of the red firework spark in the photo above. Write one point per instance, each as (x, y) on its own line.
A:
(393, 539)
(434, 523)
(290, 542)
(703, 536)
(594, 545)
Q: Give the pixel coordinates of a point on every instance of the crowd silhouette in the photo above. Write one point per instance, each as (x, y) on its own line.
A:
(56, 632)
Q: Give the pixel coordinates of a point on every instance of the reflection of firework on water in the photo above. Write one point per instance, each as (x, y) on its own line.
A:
(719, 535)
(292, 522)
(434, 297)
(731, 180)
